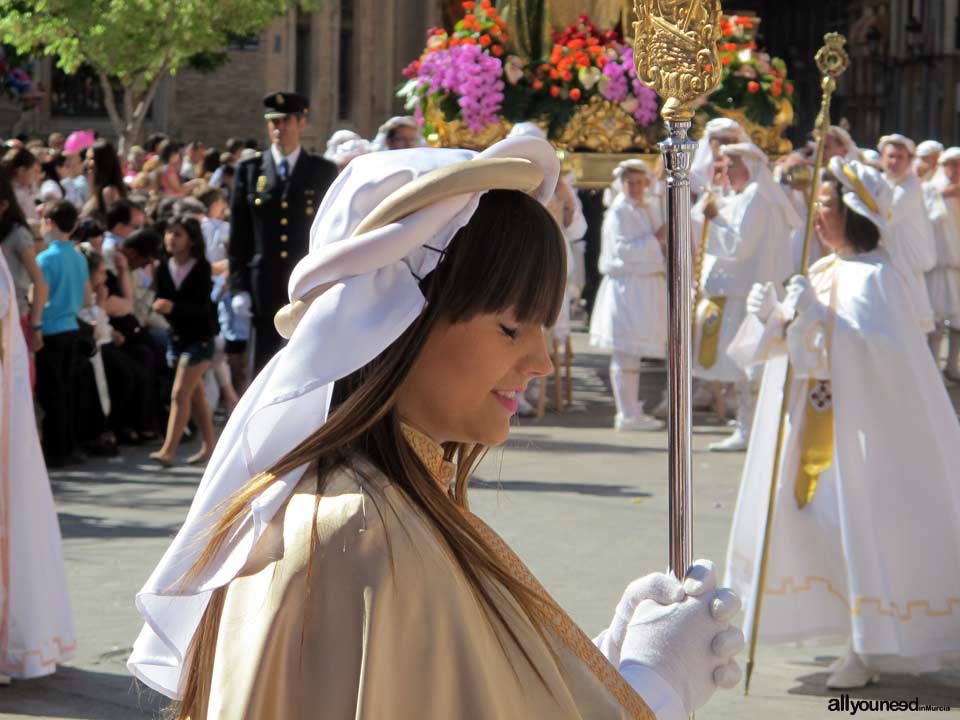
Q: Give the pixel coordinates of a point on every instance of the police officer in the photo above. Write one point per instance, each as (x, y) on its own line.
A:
(275, 196)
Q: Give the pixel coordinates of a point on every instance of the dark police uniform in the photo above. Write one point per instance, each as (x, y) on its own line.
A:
(270, 219)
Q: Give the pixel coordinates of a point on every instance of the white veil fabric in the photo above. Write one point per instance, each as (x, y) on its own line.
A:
(768, 188)
(701, 169)
(362, 292)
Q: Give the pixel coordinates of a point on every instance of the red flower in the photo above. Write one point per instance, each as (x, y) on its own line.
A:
(789, 89)
(554, 91)
(583, 61)
(537, 84)
(729, 47)
(776, 90)
(485, 3)
(468, 5)
(576, 44)
(491, 12)
(708, 68)
(727, 31)
(575, 94)
(554, 74)
(469, 18)
(753, 86)
(724, 59)
(567, 76)
(601, 61)
(485, 40)
(469, 41)
(497, 50)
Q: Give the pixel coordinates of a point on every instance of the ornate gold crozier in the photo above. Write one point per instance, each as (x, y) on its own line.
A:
(675, 46)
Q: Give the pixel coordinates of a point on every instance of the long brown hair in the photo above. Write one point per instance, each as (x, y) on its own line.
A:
(510, 255)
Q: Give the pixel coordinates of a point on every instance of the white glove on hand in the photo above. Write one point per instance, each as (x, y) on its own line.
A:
(242, 304)
(689, 642)
(762, 300)
(800, 296)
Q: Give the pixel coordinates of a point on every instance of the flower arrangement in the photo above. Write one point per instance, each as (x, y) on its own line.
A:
(17, 84)
(751, 81)
(585, 63)
(461, 72)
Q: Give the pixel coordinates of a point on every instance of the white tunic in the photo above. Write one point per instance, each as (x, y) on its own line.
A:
(630, 311)
(943, 282)
(912, 247)
(877, 549)
(36, 624)
(747, 242)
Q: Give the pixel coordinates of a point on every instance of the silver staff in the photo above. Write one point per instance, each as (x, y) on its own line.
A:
(675, 46)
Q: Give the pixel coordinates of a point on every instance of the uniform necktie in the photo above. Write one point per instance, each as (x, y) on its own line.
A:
(284, 169)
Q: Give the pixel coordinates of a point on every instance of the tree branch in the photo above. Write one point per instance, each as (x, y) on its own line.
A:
(111, 102)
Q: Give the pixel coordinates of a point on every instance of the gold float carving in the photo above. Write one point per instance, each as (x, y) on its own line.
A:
(768, 138)
(603, 126)
(675, 46)
(455, 133)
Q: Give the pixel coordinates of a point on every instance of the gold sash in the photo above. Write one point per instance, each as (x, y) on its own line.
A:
(816, 433)
(709, 319)
(816, 448)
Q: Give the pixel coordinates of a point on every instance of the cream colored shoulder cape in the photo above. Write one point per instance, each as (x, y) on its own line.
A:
(378, 621)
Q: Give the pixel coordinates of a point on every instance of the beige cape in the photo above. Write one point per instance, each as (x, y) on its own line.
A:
(381, 623)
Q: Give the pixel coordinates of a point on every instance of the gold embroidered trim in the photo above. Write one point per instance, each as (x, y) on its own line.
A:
(430, 454)
(560, 624)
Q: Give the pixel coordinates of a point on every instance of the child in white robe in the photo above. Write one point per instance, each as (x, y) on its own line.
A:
(865, 538)
(942, 196)
(36, 623)
(630, 312)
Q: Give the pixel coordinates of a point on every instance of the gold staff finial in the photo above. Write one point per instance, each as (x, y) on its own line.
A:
(675, 46)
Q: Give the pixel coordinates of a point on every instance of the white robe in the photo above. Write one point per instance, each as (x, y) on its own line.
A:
(36, 623)
(912, 247)
(875, 553)
(943, 281)
(630, 311)
(747, 242)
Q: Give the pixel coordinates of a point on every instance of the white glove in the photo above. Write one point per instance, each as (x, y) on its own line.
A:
(689, 643)
(762, 300)
(242, 304)
(800, 296)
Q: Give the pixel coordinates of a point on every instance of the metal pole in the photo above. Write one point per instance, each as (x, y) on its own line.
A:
(677, 152)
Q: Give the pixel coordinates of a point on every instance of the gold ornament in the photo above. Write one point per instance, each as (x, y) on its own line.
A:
(768, 138)
(456, 134)
(603, 126)
(675, 46)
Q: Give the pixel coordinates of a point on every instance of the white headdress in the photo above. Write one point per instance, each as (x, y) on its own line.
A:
(928, 148)
(701, 170)
(336, 140)
(940, 181)
(615, 188)
(897, 139)
(384, 223)
(769, 189)
(864, 190)
(528, 129)
(397, 121)
(348, 151)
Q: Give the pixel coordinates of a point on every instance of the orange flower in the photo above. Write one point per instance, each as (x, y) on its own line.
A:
(469, 18)
(595, 49)
(583, 61)
(485, 40)
(575, 44)
(592, 41)
(554, 91)
(753, 86)
(789, 89)
(729, 47)
(554, 74)
(497, 50)
(575, 94)
(454, 41)
(538, 85)
(468, 5)
(485, 3)
(491, 12)
(727, 31)
(724, 59)
(469, 41)
(565, 64)
(601, 60)
(776, 90)
(708, 68)
(567, 76)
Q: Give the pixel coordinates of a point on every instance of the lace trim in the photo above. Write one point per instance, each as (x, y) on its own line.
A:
(430, 454)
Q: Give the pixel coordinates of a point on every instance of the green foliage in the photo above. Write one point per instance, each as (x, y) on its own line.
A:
(133, 40)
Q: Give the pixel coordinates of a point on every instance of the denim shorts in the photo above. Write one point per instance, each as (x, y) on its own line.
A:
(191, 353)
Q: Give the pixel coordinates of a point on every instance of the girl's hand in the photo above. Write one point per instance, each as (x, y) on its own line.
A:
(162, 306)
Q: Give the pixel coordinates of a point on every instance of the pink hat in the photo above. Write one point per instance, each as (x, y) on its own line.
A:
(78, 141)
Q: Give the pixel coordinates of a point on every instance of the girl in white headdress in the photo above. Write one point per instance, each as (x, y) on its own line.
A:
(630, 311)
(398, 133)
(748, 241)
(717, 133)
(329, 565)
(927, 160)
(36, 623)
(942, 195)
(865, 539)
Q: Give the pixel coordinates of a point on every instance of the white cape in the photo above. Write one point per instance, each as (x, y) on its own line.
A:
(36, 623)
(875, 554)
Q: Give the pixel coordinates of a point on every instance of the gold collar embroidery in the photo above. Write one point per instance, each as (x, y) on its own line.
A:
(430, 454)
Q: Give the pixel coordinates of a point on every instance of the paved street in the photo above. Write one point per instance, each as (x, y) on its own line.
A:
(583, 505)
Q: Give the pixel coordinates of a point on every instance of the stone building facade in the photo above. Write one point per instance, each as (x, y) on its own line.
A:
(347, 58)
